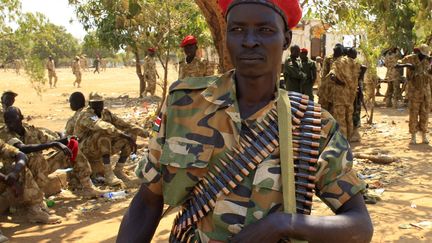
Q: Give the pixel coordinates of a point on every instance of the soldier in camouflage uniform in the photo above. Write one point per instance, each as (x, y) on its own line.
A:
(393, 77)
(309, 68)
(326, 89)
(293, 74)
(202, 120)
(345, 74)
(419, 92)
(19, 187)
(103, 134)
(150, 72)
(192, 66)
(50, 66)
(33, 141)
(76, 70)
(7, 100)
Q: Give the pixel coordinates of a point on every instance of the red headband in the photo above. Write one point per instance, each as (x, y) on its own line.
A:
(290, 10)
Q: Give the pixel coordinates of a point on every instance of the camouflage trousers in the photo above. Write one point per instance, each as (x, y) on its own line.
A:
(41, 167)
(151, 86)
(52, 75)
(78, 77)
(418, 116)
(393, 92)
(32, 194)
(344, 116)
(99, 144)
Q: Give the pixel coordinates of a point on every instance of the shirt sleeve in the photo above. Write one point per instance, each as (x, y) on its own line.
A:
(148, 169)
(336, 181)
(7, 152)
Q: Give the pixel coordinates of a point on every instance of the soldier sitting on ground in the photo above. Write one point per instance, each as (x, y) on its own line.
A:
(18, 186)
(7, 100)
(33, 141)
(103, 134)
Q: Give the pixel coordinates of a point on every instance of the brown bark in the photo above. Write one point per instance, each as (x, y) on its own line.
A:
(217, 24)
(139, 73)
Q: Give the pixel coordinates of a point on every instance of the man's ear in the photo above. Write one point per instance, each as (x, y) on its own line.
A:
(288, 38)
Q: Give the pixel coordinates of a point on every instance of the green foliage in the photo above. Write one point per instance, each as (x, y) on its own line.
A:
(35, 69)
(92, 47)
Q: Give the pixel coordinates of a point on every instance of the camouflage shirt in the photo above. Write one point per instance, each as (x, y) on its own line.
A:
(393, 74)
(7, 154)
(150, 68)
(32, 135)
(50, 66)
(121, 124)
(70, 124)
(88, 122)
(199, 124)
(419, 84)
(347, 70)
(194, 69)
(76, 67)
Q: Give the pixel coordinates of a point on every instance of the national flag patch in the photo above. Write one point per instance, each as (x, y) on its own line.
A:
(157, 123)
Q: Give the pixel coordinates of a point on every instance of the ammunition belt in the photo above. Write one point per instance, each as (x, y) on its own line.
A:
(255, 145)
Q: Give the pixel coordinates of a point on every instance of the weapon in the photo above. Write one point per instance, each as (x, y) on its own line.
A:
(257, 143)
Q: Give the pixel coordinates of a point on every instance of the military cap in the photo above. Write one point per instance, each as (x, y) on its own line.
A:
(95, 97)
(189, 40)
(290, 10)
(424, 49)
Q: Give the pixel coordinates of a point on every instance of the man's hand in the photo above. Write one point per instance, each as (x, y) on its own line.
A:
(336, 80)
(11, 178)
(63, 148)
(12, 181)
(131, 142)
(266, 230)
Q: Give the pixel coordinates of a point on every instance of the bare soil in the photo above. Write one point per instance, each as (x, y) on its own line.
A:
(407, 198)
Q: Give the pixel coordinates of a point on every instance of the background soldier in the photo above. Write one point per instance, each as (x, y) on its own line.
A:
(192, 66)
(393, 77)
(96, 65)
(293, 74)
(150, 72)
(18, 184)
(309, 68)
(50, 66)
(419, 92)
(17, 65)
(99, 139)
(76, 70)
(84, 63)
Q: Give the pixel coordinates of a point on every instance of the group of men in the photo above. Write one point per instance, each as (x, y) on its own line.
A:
(92, 135)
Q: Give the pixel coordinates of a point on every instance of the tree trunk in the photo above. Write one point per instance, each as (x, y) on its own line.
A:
(217, 24)
(139, 73)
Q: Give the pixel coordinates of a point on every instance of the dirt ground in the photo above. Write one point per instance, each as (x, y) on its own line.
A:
(407, 184)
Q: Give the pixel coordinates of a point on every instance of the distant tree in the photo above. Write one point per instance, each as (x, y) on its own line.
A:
(92, 46)
(135, 25)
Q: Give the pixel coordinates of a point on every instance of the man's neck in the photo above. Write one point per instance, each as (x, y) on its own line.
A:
(253, 93)
(190, 59)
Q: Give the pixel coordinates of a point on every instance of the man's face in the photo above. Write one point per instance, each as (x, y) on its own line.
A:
(98, 107)
(256, 39)
(190, 50)
(295, 52)
(13, 121)
(304, 55)
(8, 100)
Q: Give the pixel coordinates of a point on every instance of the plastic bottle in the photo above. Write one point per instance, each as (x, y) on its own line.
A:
(133, 157)
(115, 195)
(50, 203)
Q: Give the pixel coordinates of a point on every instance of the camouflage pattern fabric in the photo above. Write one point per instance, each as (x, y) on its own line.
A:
(76, 70)
(130, 129)
(347, 70)
(70, 124)
(293, 75)
(51, 72)
(310, 69)
(326, 89)
(32, 193)
(150, 74)
(41, 166)
(394, 77)
(200, 123)
(194, 69)
(99, 137)
(419, 93)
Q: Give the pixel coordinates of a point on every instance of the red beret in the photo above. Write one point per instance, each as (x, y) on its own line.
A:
(290, 10)
(151, 49)
(304, 50)
(73, 146)
(189, 40)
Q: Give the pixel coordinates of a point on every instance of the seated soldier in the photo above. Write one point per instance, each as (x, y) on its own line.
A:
(101, 136)
(7, 100)
(33, 141)
(77, 104)
(18, 186)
